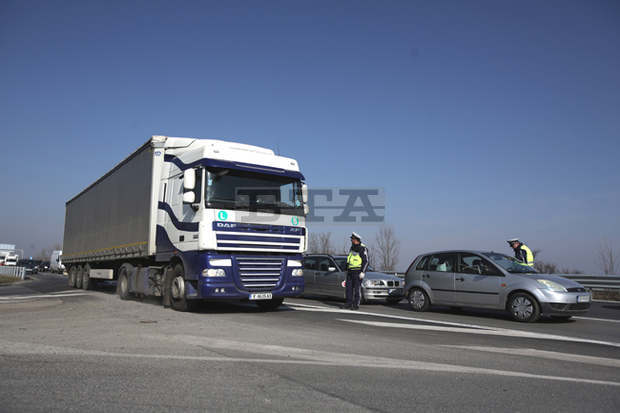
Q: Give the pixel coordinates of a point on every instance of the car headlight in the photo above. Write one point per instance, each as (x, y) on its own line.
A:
(373, 283)
(297, 272)
(214, 272)
(553, 286)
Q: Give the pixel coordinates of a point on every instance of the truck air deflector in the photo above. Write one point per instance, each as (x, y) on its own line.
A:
(217, 163)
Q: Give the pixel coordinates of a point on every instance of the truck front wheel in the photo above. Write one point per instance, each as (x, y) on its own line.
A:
(174, 289)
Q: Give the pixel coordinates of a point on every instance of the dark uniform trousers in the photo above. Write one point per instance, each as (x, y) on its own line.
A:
(354, 285)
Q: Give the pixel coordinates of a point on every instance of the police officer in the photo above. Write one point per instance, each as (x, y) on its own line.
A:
(522, 252)
(357, 263)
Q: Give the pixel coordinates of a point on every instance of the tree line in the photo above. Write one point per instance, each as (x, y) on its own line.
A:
(383, 249)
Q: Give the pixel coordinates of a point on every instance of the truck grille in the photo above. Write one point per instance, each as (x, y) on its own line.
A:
(259, 273)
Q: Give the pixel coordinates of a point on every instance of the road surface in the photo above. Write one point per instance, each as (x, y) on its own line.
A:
(64, 349)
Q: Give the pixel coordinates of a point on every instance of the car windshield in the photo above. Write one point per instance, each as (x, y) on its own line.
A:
(510, 264)
(250, 191)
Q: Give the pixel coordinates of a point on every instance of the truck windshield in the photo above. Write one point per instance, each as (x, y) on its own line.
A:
(249, 191)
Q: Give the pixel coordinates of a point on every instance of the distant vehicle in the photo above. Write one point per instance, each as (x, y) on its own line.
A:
(324, 275)
(492, 280)
(190, 219)
(56, 262)
(32, 266)
(11, 260)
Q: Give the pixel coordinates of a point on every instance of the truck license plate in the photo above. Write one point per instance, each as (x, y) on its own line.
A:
(583, 299)
(261, 296)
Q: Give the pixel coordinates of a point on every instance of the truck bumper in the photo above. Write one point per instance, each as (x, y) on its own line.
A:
(229, 291)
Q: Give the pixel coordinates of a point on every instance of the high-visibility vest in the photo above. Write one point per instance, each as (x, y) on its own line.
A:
(354, 261)
(529, 256)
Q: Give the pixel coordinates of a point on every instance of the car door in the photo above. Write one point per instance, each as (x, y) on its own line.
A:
(328, 278)
(477, 282)
(309, 269)
(439, 275)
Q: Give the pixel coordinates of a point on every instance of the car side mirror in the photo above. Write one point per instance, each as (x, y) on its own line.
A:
(189, 179)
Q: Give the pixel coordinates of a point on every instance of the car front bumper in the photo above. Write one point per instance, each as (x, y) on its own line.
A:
(378, 293)
(564, 304)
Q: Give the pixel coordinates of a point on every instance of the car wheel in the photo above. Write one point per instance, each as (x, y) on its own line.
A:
(418, 299)
(270, 305)
(175, 296)
(524, 308)
(122, 286)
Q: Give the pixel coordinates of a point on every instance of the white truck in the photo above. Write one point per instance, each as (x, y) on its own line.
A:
(56, 264)
(192, 219)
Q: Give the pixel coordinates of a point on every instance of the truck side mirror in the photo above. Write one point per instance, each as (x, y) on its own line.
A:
(306, 209)
(189, 197)
(189, 181)
(304, 193)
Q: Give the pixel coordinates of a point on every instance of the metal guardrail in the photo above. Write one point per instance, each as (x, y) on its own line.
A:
(604, 282)
(11, 271)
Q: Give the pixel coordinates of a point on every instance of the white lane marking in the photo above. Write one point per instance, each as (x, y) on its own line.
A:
(496, 332)
(466, 328)
(29, 297)
(607, 320)
(320, 359)
(552, 355)
(304, 307)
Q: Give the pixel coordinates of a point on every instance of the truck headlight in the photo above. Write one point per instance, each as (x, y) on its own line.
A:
(553, 286)
(373, 283)
(213, 272)
(297, 272)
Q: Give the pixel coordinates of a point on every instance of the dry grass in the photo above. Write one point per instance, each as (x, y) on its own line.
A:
(5, 279)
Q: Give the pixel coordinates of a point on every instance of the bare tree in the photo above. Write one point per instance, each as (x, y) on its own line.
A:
(313, 243)
(325, 243)
(607, 258)
(387, 247)
(546, 267)
(320, 243)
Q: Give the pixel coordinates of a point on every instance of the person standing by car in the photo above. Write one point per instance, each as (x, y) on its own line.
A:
(522, 252)
(357, 263)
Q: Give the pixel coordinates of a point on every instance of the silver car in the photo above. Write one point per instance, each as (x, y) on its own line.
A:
(492, 280)
(324, 275)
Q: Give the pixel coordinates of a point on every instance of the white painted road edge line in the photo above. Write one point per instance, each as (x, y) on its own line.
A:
(316, 358)
(464, 326)
(29, 297)
(551, 355)
(497, 332)
(607, 320)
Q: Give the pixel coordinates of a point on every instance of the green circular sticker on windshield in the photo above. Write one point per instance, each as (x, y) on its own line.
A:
(223, 215)
(295, 221)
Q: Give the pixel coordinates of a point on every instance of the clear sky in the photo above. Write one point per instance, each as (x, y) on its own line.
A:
(481, 120)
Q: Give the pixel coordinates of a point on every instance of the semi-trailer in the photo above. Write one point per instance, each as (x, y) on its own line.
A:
(192, 219)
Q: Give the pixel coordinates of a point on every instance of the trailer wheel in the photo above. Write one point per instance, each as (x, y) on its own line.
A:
(72, 275)
(87, 283)
(174, 290)
(78, 277)
(122, 285)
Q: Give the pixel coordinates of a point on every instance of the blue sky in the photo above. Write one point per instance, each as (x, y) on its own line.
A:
(481, 120)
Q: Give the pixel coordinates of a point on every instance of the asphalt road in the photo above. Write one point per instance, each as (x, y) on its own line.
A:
(74, 350)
